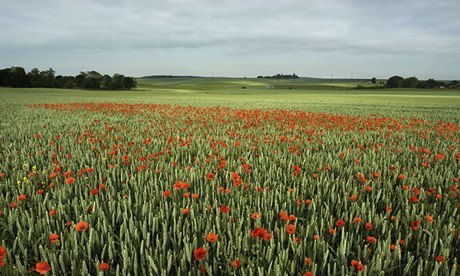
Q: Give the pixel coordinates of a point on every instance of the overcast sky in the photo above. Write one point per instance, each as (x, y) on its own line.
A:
(234, 38)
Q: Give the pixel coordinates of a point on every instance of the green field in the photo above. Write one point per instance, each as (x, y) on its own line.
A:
(202, 176)
(320, 95)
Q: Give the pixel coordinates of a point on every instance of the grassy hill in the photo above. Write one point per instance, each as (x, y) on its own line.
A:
(205, 83)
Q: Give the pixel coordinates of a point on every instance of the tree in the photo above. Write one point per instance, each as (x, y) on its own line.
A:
(454, 84)
(409, 82)
(35, 78)
(431, 83)
(18, 77)
(129, 83)
(70, 83)
(80, 78)
(373, 80)
(92, 81)
(48, 77)
(5, 75)
(106, 82)
(394, 82)
(117, 82)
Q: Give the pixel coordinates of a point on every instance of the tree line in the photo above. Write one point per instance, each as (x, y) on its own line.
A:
(413, 82)
(17, 77)
(279, 76)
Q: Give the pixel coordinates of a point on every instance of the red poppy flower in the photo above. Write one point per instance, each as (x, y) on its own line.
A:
(104, 267)
(297, 240)
(283, 215)
(369, 226)
(261, 233)
(340, 223)
(43, 267)
(440, 259)
(52, 212)
(81, 226)
(290, 229)
(308, 261)
(224, 209)
(2, 252)
(200, 253)
(236, 264)
(415, 225)
(22, 197)
(255, 216)
(357, 265)
(429, 218)
(414, 199)
(371, 239)
(54, 238)
(354, 263)
(180, 185)
(210, 176)
(211, 237)
(332, 231)
(70, 180)
(94, 192)
(357, 220)
(167, 193)
(185, 211)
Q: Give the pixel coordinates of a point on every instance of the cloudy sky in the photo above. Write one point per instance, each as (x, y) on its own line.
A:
(234, 38)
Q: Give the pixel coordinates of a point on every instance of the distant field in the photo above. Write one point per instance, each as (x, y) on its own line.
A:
(321, 95)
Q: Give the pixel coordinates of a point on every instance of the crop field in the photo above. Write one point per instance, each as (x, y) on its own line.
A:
(203, 176)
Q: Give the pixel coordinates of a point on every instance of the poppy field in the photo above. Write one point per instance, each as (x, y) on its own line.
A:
(110, 188)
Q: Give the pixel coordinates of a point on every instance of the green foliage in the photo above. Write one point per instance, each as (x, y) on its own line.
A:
(394, 82)
(131, 148)
(92, 80)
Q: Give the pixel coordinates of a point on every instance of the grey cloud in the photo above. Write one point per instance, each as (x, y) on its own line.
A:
(235, 32)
